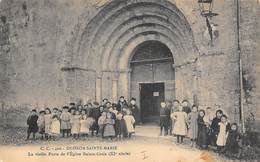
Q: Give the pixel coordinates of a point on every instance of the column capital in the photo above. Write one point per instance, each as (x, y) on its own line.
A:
(115, 76)
(126, 71)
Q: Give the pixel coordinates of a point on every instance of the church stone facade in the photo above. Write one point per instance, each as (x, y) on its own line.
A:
(56, 51)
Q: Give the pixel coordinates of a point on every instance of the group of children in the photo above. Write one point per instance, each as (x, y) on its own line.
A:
(200, 126)
(106, 120)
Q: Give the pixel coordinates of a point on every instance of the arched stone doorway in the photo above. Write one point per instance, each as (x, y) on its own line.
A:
(152, 78)
(104, 46)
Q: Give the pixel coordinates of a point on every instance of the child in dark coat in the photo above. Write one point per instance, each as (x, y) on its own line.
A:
(214, 127)
(32, 123)
(202, 131)
(135, 110)
(95, 113)
(164, 119)
(121, 104)
(120, 126)
(233, 144)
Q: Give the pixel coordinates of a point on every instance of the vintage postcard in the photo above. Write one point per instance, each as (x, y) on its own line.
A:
(129, 80)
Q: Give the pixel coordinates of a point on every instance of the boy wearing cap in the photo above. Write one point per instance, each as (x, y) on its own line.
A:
(164, 119)
(135, 110)
(121, 103)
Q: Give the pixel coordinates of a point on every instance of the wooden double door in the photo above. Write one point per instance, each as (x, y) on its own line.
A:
(151, 96)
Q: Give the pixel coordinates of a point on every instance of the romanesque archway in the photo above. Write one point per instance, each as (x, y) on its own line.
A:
(152, 78)
(108, 41)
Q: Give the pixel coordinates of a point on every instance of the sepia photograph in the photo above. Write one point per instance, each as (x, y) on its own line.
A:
(130, 80)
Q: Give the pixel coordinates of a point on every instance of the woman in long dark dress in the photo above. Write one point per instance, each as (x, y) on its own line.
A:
(202, 131)
(215, 127)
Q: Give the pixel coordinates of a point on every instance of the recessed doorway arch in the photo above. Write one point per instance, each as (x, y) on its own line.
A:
(105, 46)
(152, 77)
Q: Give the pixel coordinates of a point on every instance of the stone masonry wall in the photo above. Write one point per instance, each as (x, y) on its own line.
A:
(250, 50)
(35, 46)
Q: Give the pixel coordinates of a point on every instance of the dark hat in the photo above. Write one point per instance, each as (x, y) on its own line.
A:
(42, 111)
(95, 103)
(224, 116)
(176, 101)
(34, 110)
(185, 101)
(65, 107)
(72, 104)
(105, 99)
(55, 108)
(55, 116)
(47, 109)
(121, 97)
(72, 108)
(133, 99)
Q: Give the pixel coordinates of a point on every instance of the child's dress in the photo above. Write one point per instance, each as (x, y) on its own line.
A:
(193, 125)
(109, 130)
(40, 123)
(85, 124)
(129, 122)
(75, 124)
(47, 120)
(55, 127)
(180, 127)
(65, 121)
(223, 133)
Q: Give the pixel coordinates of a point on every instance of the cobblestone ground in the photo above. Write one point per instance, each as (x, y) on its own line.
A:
(146, 145)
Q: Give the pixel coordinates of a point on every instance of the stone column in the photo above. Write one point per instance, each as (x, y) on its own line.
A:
(178, 83)
(198, 82)
(124, 83)
(99, 87)
(107, 77)
(115, 87)
(195, 91)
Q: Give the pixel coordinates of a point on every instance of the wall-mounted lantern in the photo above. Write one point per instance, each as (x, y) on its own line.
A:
(206, 10)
